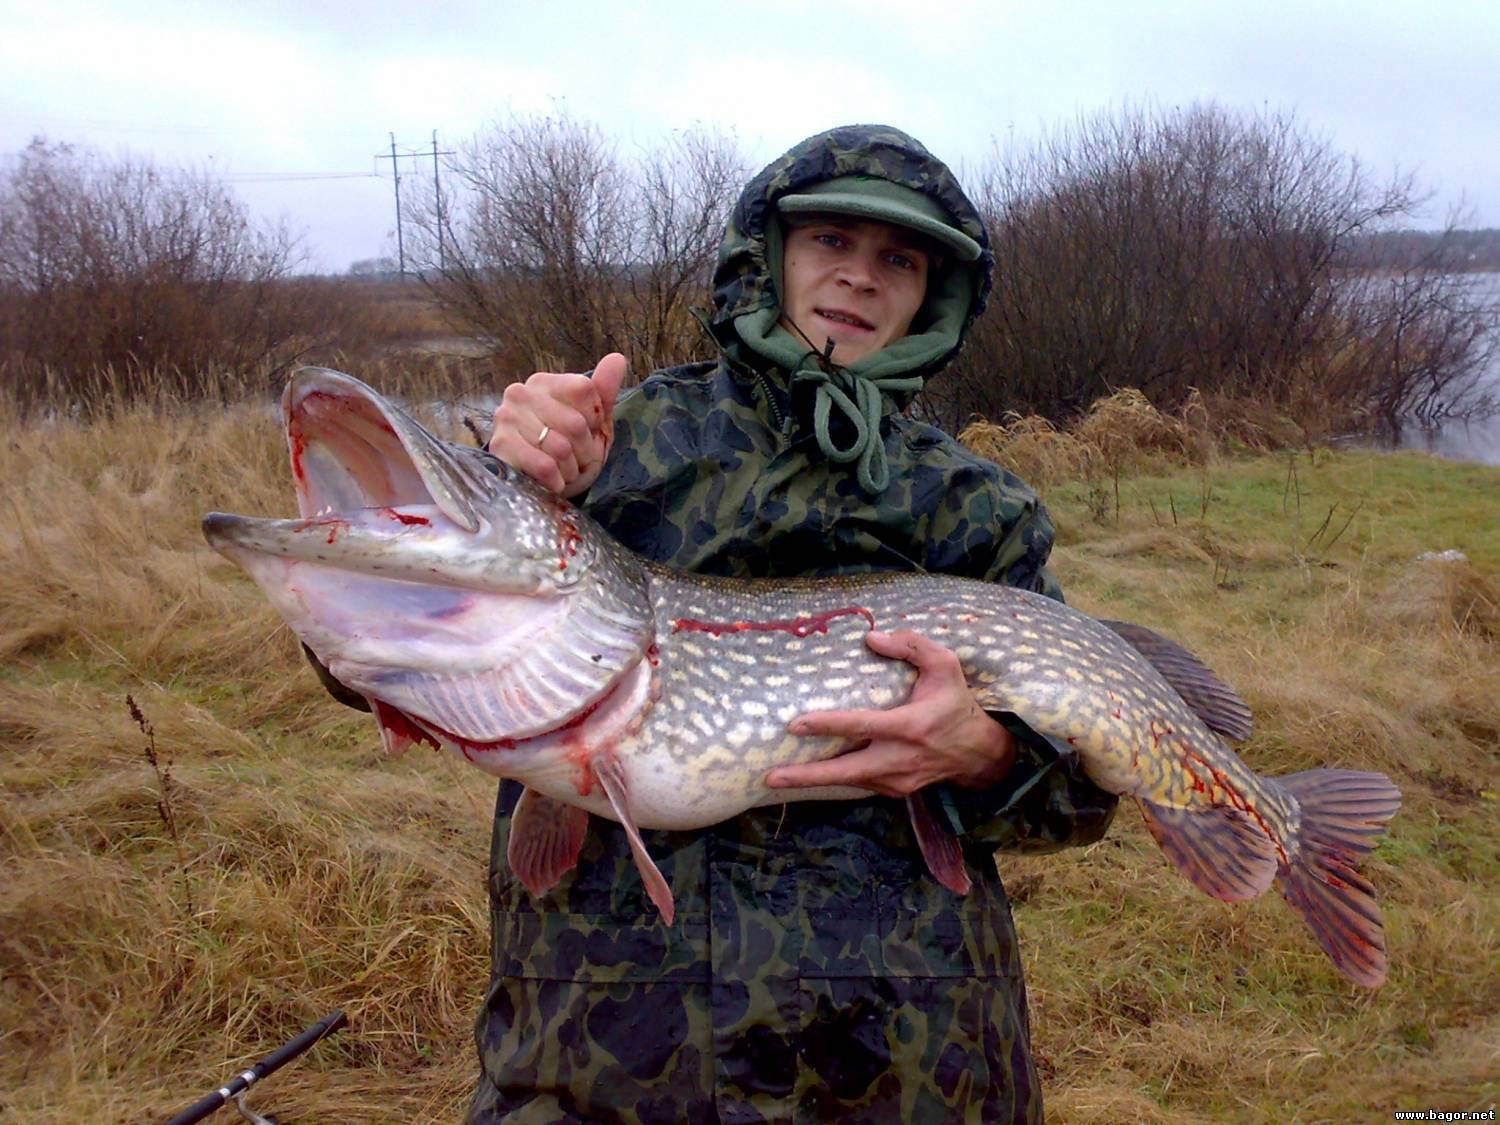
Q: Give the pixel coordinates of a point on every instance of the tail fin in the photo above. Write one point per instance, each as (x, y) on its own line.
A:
(1343, 814)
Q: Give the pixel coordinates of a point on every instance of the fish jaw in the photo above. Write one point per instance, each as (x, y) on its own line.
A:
(382, 624)
(451, 513)
(415, 543)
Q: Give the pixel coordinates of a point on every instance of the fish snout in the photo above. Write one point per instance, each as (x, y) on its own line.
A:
(222, 528)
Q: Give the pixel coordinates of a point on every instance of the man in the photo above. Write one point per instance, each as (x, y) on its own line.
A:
(815, 972)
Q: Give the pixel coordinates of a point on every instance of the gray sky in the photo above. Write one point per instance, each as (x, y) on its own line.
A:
(315, 87)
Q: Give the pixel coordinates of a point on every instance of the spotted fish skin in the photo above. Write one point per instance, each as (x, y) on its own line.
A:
(474, 610)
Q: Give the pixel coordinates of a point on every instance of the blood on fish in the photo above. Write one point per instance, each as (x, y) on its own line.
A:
(407, 518)
(580, 754)
(400, 725)
(422, 730)
(299, 447)
(568, 535)
(319, 401)
(1225, 789)
(334, 524)
(796, 626)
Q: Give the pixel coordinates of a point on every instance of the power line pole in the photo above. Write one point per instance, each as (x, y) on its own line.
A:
(437, 194)
(396, 176)
(437, 189)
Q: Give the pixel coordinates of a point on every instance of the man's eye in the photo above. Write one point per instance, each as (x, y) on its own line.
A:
(828, 239)
(901, 261)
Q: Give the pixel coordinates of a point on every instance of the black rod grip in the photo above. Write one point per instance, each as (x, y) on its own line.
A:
(268, 1065)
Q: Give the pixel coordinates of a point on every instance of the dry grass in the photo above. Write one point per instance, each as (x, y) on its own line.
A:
(309, 873)
(1121, 433)
(143, 957)
(1031, 447)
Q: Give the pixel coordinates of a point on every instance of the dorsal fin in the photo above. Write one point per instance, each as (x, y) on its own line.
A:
(1215, 702)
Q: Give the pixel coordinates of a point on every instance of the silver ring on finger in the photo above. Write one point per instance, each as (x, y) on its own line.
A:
(541, 437)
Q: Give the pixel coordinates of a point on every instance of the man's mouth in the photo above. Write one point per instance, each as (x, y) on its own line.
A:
(841, 316)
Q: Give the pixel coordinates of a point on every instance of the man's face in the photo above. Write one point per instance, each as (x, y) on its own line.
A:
(854, 281)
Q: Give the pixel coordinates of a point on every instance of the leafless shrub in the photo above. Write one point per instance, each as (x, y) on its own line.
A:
(1423, 328)
(558, 250)
(1197, 248)
(120, 265)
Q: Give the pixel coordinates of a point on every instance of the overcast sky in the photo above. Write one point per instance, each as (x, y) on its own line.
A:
(311, 87)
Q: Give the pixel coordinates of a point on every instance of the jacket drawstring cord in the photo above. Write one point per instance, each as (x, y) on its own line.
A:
(863, 411)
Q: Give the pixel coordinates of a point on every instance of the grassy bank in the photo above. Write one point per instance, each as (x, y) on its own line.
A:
(163, 923)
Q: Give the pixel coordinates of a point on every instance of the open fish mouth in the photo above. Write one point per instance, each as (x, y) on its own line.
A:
(351, 449)
(368, 480)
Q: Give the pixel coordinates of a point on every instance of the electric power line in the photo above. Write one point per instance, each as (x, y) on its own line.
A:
(293, 177)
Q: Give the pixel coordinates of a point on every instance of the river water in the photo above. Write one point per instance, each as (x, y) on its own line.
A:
(1476, 440)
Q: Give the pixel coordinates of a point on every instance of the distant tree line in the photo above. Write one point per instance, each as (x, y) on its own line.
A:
(1229, 254)
(1184, 252)
(1458, 250)
(117, 266)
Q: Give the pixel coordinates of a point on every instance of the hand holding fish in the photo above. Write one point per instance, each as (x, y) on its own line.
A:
(940, 734)
(557, 427)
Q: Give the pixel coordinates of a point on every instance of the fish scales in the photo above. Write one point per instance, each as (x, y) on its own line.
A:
(477, 612)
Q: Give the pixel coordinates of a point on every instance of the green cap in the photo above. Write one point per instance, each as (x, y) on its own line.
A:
(870, 197)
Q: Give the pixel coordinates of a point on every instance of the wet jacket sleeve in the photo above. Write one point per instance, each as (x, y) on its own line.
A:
(1045, 802)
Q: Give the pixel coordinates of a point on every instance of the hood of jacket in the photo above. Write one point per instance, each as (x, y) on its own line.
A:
(747, 305)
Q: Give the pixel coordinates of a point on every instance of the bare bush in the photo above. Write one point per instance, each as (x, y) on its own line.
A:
(1199, 249)
(558, 250)
(1424, 328)
(122, 267)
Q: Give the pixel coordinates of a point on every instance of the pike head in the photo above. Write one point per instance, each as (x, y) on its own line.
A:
(459, 597)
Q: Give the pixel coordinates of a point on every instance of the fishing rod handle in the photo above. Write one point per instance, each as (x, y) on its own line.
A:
(268, 1065)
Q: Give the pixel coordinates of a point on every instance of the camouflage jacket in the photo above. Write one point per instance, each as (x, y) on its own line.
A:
(815, 972)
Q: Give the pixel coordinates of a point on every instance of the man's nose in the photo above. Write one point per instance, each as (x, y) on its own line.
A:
(859, 271)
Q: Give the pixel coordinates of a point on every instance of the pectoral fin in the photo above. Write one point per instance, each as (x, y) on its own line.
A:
(545, 839)
(945, 859)
(612, 779)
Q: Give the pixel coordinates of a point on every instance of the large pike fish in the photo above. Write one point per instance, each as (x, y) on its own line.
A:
(474, 610)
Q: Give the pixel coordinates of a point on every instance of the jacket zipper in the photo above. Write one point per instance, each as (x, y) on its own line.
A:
(776, 414)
